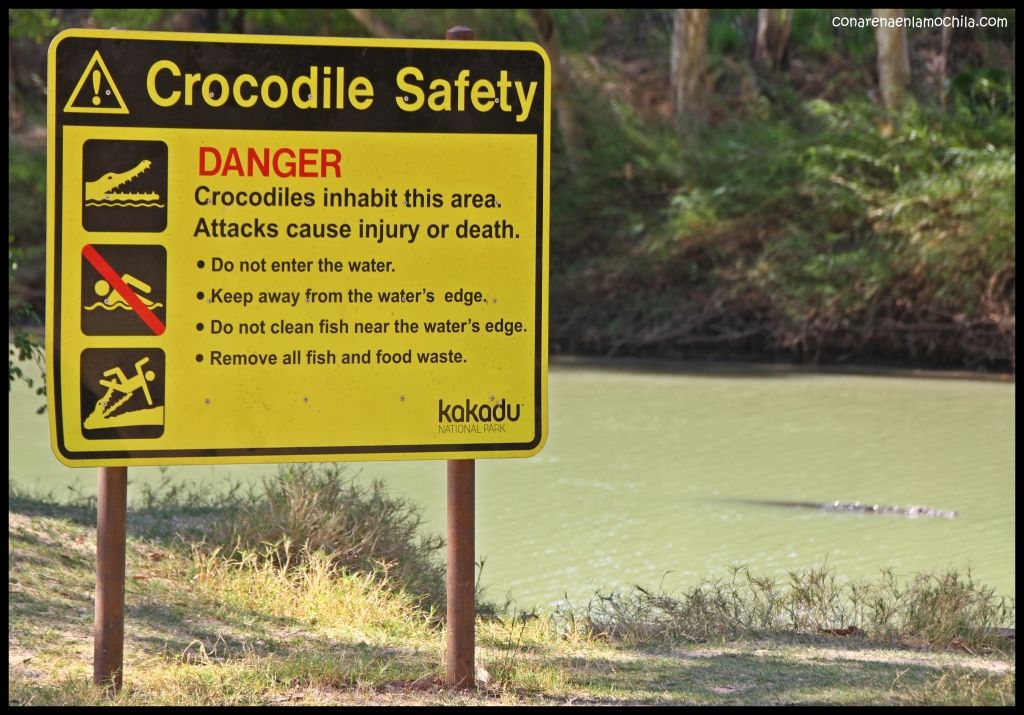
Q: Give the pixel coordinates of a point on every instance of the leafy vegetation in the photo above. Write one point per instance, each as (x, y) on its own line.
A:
(856, 237)
(801, 223)
(26, 345)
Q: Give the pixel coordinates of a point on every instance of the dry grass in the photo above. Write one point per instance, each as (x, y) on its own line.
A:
(940, 611)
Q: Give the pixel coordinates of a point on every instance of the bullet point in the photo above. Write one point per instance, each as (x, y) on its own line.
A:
(199, 326)
(199, 358)
(199, 295)
(200, 264)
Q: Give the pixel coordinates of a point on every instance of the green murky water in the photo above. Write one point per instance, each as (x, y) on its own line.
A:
(647, 478)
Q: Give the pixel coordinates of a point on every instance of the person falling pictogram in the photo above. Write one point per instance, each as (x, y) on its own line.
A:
(127, 386)
(133, 395)
(120, 389)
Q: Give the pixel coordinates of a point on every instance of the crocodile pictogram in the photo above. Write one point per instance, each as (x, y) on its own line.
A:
(101, 191)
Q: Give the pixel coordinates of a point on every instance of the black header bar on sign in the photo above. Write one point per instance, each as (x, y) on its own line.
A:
(251, 82)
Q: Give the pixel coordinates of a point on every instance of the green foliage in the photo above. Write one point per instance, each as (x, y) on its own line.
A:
(833, 232)
(26, 346)
(133, 19)
(727, 31)
(580, 30)
(35, 25)
(26, 192)
(988, 93)
(25, 261)
(941, 610)
(495, 24)
(812, 34)
(801, 223)
(328, 23)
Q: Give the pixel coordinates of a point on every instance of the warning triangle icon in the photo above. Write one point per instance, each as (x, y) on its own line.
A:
(96, 92)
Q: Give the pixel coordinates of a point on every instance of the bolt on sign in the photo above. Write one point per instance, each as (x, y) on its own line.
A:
(266, 249)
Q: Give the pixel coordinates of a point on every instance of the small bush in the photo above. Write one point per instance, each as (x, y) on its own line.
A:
(361, 528)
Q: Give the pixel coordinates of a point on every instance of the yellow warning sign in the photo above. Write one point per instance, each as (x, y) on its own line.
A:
(96, 92)
(297, 249)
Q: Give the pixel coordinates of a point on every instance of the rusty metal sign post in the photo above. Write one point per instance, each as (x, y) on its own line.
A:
(460, 654)
(108, 636)
(460, 657)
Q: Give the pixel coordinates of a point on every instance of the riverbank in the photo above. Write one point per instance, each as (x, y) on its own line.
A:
(858, 237)
(740, 367)
(221, 608)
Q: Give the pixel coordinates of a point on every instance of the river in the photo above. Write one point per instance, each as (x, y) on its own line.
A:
(653, 477)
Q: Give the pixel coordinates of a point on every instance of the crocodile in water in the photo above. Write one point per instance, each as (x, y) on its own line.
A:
(856, 506)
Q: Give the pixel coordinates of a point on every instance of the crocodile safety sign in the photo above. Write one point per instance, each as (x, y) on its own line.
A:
(275, 249)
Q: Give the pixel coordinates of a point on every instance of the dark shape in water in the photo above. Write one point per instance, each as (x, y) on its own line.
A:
(856, 506)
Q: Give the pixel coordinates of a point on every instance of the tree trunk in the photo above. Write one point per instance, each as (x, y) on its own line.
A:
(689, 65)
(893, 60)
(374, 25)
(773, 28)
(14, 115)
(946, 58)
(561, 86)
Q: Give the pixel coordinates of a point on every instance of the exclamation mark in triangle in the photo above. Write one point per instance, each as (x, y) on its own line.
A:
(96, 92)
(96, 88)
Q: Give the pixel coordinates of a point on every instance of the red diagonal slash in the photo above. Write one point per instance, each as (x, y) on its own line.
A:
(111, 277)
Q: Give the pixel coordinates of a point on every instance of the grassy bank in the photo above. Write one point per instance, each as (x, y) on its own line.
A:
(252, 600)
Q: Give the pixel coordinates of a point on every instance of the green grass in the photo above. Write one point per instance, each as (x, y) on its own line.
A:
(279, 622)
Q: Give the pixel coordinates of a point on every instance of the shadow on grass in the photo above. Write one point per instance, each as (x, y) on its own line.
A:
(751, 678)
(52, 576)
(164, 519)
(51, 615)
(22, 502)
(241, 637)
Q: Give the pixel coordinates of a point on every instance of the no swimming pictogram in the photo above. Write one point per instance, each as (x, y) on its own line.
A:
(129, 299)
